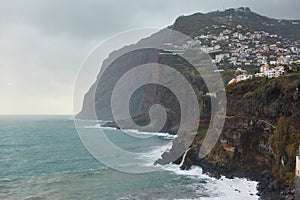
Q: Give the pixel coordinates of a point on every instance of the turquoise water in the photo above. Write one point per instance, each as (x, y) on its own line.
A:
(42, 158)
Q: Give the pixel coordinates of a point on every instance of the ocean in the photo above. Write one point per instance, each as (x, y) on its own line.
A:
(42, 157)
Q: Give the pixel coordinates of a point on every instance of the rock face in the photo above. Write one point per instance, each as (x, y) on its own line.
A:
(297, 187)
(98, 98)
(257, 112)
(254, 108)
(142, 99)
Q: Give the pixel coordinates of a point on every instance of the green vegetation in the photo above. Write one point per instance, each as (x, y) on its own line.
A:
(193, 25)
(201, 133)
(264, 131)
(293, 68)
(254, 21)
(284, 143)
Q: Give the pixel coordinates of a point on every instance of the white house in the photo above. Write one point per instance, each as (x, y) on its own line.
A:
(241, 77)
(219, 58)
(271, 73)
(241, 37)
(274, 72)
(298, 164)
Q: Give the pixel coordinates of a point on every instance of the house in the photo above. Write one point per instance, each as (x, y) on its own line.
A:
(273, 46)
(241, 37)
(282, 60)
(219, 58)
(239, 27)
(227, 31)
(271, 73)
(274, 72)
(295, 62)
(280, 69)
(263, 68)
(298, 163)
(235, 35)
(297, 177)
(241, 77)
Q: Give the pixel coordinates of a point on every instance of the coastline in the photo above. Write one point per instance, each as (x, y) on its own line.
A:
(267, 187)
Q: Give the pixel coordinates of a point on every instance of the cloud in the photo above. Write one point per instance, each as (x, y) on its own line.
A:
(97, 19)
(37, 66)
(43, 43)
(88, 19)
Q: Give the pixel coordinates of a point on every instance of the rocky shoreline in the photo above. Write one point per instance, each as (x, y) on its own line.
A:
(267, 186)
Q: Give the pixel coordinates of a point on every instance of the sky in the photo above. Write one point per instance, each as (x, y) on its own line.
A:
(44, 42)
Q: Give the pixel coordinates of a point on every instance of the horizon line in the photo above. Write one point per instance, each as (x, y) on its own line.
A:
(35, 114)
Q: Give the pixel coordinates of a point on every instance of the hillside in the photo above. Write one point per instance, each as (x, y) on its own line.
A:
(261, 134)
(193, 25)
(199, 23)
(253, 21)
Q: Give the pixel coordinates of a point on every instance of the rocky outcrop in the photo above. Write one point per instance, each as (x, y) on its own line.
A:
(297, 187)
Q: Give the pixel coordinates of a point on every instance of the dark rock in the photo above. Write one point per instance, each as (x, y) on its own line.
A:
(111, 125)
(273, 186)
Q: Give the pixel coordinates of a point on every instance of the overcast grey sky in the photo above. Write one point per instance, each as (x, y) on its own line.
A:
(43, 42)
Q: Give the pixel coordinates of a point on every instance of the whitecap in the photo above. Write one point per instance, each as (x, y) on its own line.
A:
(159, 134)
(219, 189)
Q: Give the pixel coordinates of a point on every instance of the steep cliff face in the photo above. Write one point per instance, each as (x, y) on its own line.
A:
(147, 95)
(261, 133)
(265, 98)
(255, 109)
(97, 101)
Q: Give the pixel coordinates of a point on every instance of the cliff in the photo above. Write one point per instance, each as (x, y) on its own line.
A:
(261, 134)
